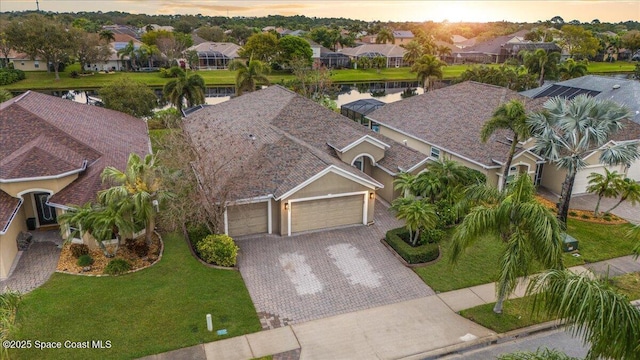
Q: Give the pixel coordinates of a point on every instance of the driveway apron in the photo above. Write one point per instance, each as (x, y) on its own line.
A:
(319, 274)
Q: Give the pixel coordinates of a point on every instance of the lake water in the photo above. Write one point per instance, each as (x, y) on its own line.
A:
(386, 92)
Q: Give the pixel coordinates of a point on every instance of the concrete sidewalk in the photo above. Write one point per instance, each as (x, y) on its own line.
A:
(411, 329)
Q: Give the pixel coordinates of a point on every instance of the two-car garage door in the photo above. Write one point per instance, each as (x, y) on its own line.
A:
(326, 213)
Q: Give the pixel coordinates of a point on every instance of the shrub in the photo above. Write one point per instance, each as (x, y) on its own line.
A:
(218, 249)
(197, 233)
(85, 260)
(117, 267)
(431, 236)
(74, 74)
(78, 250)
(585, 216)
(9, 302)
(447, 215)
(137, 246)
(573, 213)
(9, 76)
(412, 255)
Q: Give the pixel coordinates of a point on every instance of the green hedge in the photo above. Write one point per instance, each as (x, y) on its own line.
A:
(9, 76)
(412, 255)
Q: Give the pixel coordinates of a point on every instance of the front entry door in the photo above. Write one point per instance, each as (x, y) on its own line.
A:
(46, 214)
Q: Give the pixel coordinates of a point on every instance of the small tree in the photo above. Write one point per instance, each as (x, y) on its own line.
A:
(185, 89)
(629, 190)
(130, 97)
(418, 215)
(249, 74)
(604, 185)
(428, 69)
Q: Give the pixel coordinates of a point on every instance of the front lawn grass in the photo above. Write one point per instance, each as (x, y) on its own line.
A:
(628, 284)
(155, 310)
(516, 313)
(479, 264)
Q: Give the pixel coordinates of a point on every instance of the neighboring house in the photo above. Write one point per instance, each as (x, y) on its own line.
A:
(215, 55)
(113, 63)
(24, 62)
(52, 157)
(122, 40)
(458, 40)
(393, 53)
(123, 29)
(156, 27)
(499, 49)
(285, 164)
(399, 36)
(446, 124)
(622, 91)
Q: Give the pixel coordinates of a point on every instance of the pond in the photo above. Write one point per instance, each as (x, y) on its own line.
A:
(386, 92)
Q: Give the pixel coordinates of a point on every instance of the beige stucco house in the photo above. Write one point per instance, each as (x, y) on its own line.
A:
(283, 164)
(53, 151)
(446, 123)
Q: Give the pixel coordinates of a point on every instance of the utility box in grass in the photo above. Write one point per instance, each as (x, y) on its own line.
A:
(569, 243)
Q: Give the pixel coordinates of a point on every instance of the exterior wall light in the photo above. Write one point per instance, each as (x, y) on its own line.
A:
(371, 195)
(286, 206)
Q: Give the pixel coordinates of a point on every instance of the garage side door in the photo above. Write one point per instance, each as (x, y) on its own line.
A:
(247, 219)
(326, 213)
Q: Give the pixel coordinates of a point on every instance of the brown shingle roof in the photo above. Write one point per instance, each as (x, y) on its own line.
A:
(50, 136)
(8, 205)
(451, 119)
(269, 141)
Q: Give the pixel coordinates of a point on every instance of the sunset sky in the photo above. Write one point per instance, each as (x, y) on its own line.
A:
(454, 11)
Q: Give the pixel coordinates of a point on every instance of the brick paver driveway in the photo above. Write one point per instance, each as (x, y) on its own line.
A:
(320, 274)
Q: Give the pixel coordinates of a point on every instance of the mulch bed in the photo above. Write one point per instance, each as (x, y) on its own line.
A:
(68, 262)
(583, 215)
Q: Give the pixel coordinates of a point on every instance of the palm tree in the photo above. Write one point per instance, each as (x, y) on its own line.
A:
(443, 51)
(629, 190)
(428, 69)
(107, 35)
(528, 229)
(604, 185)
(185, 89)
(510, 116)
(413, 52)
(140, 186)
(128, 51)
(405, 182)
(542, 63)
(568, 130)
(384, 36)
(604, 318)
(417, 214)
(571, 69)
(249, 74)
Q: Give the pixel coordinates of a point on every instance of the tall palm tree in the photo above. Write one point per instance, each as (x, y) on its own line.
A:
(542, 63)
(428, 69)
(601, 316)
(128, 51)
(604, 185)
(571, 69)
(384, 36)
(629, 191)
(249, 74)
(528, 229)
(183, 88)
(443, 51)
(107, 35)
(405, 182)
(413, 52)
(511, 116)
(567, 130)
(140, 185)
(417, 214)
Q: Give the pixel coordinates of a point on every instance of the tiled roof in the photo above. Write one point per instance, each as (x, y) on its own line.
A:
(8, 205)
(269, 141)
(51, 136)
(623, 91)
(228, 49)
(493, 46)
(451, 119)
(403, 34)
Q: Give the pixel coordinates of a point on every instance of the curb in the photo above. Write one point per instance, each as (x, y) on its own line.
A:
(486, 341)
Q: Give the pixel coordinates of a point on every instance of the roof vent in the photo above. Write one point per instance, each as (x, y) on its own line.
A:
(404, 142)
(252, 137)
(616, 86)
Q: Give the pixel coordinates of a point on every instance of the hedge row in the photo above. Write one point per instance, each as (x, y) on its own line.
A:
(9, 76)
(412, 255)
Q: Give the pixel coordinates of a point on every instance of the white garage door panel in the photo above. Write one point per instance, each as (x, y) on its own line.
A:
(582, 177)
(247, 219)
(326, 213)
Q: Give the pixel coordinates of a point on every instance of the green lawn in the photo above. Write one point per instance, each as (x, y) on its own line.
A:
(628, 284)
(479, 265)
(154, 310)
(41, 80)
(516, 313)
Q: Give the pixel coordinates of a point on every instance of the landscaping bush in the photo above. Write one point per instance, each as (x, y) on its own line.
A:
(585, 216)
(137, 246)
(431, 236)
(74, 74)
(573, 213)
(78, 250)
(218, 249)
(196, 234)
(9, 76)
(447, 216)
(85, 260)
(9, 302)
(412, 255)
(117, 267)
